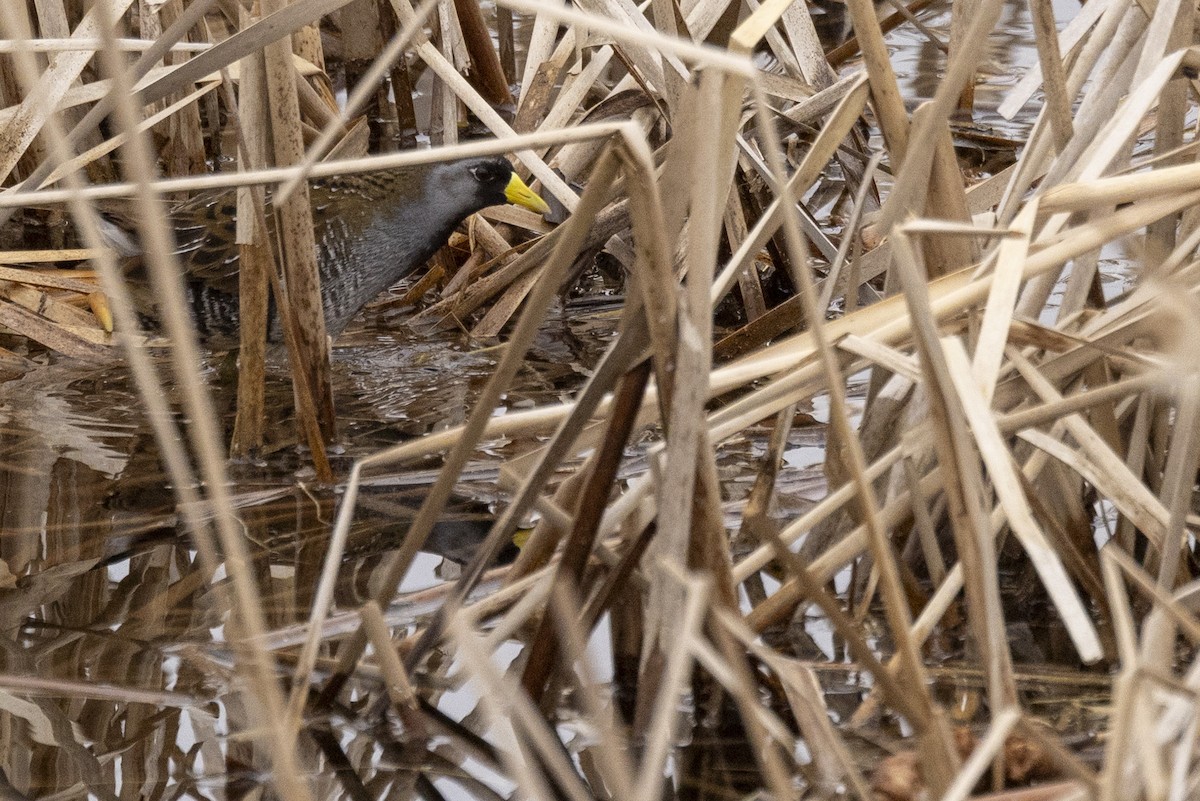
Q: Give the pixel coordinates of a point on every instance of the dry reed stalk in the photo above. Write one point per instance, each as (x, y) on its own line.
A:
(849, 48)
(300, 305)
(361, 93)
(770, 737)
(668, 689)
(1034, 162)
(831, 756)
(1096, 462)
(485, 61)
(704, 159)
(613, 760)
(1068, 38)
(104, 148)
(534, 755)
(256, 263)
(1168, 607)
(1012, 499)
(1057, 103)
(399, 688)
(1177, 479)
(463, 91)
(986, 751)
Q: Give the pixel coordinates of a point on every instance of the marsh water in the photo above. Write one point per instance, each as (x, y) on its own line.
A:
(112, 671)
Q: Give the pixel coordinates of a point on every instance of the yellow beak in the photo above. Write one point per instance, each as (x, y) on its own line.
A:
(520, 194)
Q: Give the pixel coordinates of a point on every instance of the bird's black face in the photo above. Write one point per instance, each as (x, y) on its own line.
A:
(458, 188)
(491, 177)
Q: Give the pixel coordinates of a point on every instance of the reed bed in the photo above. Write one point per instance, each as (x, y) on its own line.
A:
(1017, 418)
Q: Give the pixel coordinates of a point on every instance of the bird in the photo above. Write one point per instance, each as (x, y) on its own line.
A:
(372, 229)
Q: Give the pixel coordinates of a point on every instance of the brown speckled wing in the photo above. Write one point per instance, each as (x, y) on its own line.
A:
(205, 238)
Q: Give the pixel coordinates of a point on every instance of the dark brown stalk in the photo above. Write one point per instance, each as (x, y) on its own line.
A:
(257, 264)
(297, 240)
(849, 48)
(486, 70)
(588, 513)
(504, 32)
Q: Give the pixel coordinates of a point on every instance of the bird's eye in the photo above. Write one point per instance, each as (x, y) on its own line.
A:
(483, 173)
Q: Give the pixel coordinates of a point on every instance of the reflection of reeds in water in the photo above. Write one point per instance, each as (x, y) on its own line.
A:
(1015, 415)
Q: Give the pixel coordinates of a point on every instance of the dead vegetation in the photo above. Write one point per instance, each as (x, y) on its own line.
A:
(1016, 414)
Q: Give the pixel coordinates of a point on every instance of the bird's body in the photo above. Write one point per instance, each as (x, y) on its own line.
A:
(371, 230)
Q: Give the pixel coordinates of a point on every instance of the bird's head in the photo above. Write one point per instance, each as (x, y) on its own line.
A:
(474, 184)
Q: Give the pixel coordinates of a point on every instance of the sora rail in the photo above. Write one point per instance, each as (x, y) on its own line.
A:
(372, 229)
